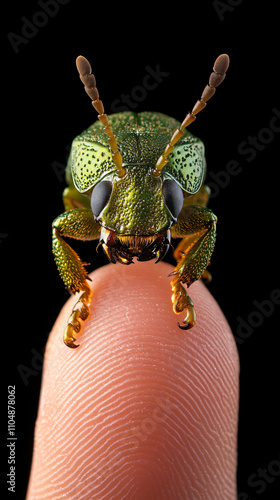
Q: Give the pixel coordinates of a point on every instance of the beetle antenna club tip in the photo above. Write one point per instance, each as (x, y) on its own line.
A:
(89, 81)
(217, 76)
(83, 66)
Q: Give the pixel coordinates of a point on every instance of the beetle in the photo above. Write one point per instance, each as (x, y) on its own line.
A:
(133, 181)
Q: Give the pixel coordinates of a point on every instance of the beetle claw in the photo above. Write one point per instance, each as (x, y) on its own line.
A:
(186, 326)
(190, 319)
(173, 273)
(163, 248)
(72, 345)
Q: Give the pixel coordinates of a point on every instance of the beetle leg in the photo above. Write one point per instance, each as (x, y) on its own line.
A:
(73, 199)
(80, 311)
(182, 302)
(200, 198)
(197, 226)
(78, 224)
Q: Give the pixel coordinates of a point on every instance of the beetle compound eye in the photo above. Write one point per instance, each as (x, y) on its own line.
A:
(100, 196)
(173, 197)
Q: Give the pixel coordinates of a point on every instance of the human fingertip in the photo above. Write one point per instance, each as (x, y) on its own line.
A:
(141, 409)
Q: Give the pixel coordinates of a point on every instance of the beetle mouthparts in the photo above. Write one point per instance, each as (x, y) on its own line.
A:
(124, 248)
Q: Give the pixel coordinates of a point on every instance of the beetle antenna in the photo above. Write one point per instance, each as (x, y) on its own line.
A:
(88, 79)
(219, 72)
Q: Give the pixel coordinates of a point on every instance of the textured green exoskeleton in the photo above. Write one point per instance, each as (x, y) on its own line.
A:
(135, 180)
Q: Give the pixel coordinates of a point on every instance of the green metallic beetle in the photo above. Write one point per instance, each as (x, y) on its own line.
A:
(134, 180)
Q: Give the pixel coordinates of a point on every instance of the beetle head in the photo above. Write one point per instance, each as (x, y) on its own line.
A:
(137, 206)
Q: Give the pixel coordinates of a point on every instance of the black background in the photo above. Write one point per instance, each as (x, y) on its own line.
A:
(45, 108)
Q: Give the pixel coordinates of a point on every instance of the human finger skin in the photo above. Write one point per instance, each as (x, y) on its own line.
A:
(142, 409)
